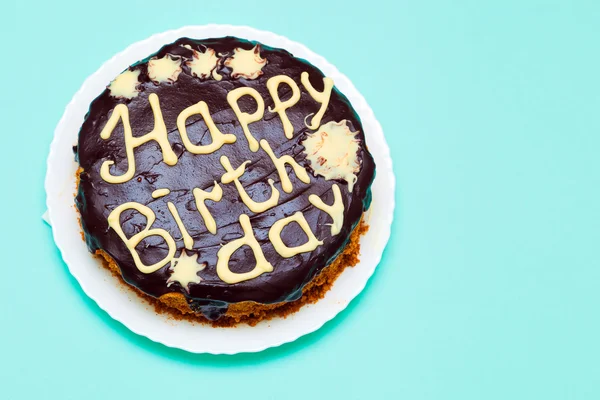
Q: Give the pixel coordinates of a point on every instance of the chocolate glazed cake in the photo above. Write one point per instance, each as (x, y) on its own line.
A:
(224, 179)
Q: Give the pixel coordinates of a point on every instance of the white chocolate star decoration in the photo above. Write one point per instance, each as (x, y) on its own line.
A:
(125, 85)
(184, 270)
(333, 152)
(204, 64)
(164, 69)
(246, 63)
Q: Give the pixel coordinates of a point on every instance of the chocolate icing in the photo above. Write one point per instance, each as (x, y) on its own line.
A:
(97, 198)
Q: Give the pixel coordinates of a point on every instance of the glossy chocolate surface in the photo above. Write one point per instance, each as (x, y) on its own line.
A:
(97, 198)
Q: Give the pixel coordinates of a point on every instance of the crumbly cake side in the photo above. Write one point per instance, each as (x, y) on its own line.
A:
(175, 305)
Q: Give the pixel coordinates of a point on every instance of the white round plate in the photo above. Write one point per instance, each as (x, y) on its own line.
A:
(124, 306)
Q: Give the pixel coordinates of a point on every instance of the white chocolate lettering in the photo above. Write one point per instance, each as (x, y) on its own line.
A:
(280, 106)
(320, 97)
(201, 196)
(331, 149)
(335, 211)
(280, 163)
(114, 222)
(281, 248)
(245, 118)
(218, 138)
(225, 253)
(160, 193)
(188, 242)
(158, 134)
(233, 175)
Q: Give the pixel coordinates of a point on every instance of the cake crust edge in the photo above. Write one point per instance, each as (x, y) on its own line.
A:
(176, 307)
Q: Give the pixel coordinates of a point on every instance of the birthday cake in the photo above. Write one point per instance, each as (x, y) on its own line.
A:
(224, 180)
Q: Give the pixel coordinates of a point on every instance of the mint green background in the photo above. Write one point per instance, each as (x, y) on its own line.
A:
(489, 288)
